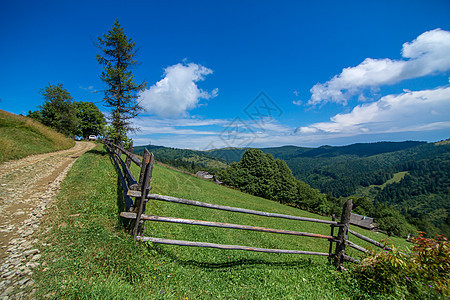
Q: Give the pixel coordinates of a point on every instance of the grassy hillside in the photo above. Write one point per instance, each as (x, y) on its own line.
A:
(87, 254)
(371, 190)
(21, 136)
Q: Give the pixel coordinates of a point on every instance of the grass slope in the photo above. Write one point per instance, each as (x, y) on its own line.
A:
(370, 192)
(21, 136)
(87, 254)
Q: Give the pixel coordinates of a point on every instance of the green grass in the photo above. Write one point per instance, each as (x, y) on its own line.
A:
(21, 136)
(91, 257)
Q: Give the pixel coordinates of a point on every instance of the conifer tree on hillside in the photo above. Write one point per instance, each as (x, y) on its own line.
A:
(118, 58)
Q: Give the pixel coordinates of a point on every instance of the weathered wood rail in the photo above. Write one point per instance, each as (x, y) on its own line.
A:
(140, 191)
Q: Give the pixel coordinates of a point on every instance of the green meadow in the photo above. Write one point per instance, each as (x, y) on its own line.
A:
(87, 254)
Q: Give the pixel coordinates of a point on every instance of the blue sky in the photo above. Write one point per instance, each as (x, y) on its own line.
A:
(245, 73)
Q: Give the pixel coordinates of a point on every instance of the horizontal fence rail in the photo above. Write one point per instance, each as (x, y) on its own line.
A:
(230, 208)
(357, 247)
(140, 191)
(225, 247)
(364, 238)
(129, 154)
(224, 225)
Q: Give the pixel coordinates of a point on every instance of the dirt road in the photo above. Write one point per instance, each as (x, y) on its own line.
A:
(27, 188)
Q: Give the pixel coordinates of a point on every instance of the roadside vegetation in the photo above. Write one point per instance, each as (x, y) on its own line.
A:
(22, 136)
(61, 113)
(88, 255)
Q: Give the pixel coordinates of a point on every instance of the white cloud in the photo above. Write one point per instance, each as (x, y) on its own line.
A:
(196, 133)
(428, 54)
(409, 111)
(177, 92)
(89, 88)
(155, 125)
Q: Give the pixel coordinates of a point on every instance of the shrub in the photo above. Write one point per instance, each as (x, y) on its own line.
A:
(422, 273)
(433, 260)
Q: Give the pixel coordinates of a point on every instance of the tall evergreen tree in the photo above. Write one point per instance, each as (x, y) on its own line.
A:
(117, 58)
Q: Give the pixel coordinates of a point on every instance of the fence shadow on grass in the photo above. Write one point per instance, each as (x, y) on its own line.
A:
(122, 222)
(98, 152)
(243, 262)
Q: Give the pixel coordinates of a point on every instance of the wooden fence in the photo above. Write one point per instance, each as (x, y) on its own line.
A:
(140, 191)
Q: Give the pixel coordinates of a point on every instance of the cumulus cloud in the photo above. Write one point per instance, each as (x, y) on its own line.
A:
(177, 92)
(410, 111)
(427, 54)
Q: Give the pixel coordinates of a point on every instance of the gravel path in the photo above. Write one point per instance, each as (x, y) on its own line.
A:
(27, 188)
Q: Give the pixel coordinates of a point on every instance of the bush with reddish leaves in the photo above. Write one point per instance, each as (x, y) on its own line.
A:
(432, 257)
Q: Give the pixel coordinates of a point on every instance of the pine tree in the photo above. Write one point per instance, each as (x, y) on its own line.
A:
(118, 58)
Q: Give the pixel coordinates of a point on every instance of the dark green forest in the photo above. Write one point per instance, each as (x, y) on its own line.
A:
(423, 194)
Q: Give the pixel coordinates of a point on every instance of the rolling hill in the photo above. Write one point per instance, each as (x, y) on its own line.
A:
(411, 176)
(22, 136)
(190, 160)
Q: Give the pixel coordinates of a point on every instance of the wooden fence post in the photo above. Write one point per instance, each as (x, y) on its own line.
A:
(128, 159)
(137, 202)
(342, 235)
(144, 184)
(119, 152)
(332, 234)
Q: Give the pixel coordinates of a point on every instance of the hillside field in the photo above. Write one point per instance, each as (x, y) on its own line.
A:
(87, 255)
(22, 136)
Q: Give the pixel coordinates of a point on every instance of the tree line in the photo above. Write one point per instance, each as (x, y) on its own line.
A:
(72, 118)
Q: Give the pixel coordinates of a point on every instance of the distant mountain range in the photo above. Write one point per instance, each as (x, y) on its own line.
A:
(289, 152)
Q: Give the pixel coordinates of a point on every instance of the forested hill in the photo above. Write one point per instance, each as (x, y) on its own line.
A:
(289, 152)
(340, 171)
(190, 160)
(414, 177)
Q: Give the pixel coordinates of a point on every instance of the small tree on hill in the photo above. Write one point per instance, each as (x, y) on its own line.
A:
(117, 58)
(91, 119)
(58, 111)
